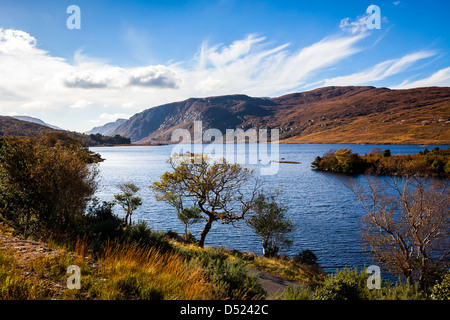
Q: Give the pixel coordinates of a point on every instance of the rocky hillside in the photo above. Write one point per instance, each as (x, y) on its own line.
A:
(108, 128)
(325, 115)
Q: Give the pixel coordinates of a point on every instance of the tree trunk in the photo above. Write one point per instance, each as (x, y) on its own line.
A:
(265, 244)
(205, 231)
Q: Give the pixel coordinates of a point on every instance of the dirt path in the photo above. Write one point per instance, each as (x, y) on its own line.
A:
(274, 285)
(27, 250)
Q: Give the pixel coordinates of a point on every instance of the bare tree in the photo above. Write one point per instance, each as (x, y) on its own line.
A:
(406, 224)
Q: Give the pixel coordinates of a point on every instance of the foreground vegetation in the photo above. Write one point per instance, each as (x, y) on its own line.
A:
(130, 272)
(47, 193)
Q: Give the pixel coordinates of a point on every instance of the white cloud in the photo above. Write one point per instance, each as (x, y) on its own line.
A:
(358, 26)
(440, 78)
(35, 105)
(251, 66)
(81, 104)
(129, 104)
(114, 117)
(380, 71)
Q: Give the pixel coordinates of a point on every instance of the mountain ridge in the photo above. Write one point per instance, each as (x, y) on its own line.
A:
(351, 114)
(36, 120)
(12, 127)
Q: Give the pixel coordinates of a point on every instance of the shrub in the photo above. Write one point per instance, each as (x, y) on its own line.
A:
(45, 185)
(441, 291)
(230, 278)
(344, 285)
(306, 257)
(386, 153)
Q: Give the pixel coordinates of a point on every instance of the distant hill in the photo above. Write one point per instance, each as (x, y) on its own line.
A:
(354, 114)
(13, 127)
(36, 120)
(107, 129)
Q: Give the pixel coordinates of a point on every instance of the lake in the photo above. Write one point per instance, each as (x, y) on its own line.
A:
(324, 210)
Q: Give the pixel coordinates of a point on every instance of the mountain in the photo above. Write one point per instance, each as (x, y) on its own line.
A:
(108, 128)
(12, 127)
(36, 120)
(353, 114)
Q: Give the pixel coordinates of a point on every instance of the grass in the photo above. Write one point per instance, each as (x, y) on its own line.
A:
(14, 285)
(289, 269)
(350, 284)
(144, 273)
(123, 272)
(136, 272)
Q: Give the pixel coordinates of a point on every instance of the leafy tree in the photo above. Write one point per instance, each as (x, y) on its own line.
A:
(216, 187)
(45, 184)
(127, 199)
(188, 217)
(270, 223)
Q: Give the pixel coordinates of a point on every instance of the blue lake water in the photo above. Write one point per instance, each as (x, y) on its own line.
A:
(324, 210)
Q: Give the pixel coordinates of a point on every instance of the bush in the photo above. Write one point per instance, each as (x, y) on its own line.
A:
(306, 257)
(143, 235)
(344, 285)
(45, 185)
(441, 291)
(386, 153)
(230, 278)
(101, 226)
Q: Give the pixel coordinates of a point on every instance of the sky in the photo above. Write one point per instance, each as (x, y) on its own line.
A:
(112, 59)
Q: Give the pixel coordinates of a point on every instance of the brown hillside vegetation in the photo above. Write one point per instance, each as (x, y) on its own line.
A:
(325, 115)
(11, 127)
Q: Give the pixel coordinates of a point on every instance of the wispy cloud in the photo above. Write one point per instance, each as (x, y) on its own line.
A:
(440, 78)
(380, 71)
(254, 67)
(358, 26)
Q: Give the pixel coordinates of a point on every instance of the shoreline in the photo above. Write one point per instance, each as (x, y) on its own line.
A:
(286, 143)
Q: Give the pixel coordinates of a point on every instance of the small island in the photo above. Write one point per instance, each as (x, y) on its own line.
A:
(434, 163)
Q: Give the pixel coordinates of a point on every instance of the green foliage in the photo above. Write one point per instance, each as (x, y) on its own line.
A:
(350, 284)
(230, 278)
(101, 139)
(101, 226)
(306, 257)
(213, 186)
(386, 153)
(127, 199)
(340, 161)
(45, 184)
(343, 285)
(270, 223)
(434, 163)
(441, 290)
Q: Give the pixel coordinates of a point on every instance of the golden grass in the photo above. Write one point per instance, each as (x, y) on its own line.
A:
(123, 272)
(145, 273)
(289, 269)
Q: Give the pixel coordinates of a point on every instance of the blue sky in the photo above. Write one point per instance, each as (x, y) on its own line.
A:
(129, 56)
